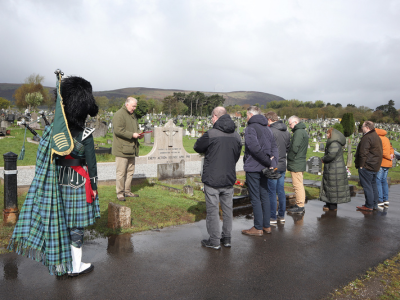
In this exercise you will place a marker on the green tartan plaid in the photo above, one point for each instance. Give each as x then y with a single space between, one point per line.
79 213
41 232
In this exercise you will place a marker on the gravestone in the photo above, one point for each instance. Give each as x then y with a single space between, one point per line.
118 216
394 162
171 170
101 129
5 124
34 117
314 165
35 125
321 147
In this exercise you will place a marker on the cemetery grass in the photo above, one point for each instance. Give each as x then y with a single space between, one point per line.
14 142
381 282
154 209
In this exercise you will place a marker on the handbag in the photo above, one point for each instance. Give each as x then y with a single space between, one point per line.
271 173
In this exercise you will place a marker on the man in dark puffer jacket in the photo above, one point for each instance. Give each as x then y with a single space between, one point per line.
221 146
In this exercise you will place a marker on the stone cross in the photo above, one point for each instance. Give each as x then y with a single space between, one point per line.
170 131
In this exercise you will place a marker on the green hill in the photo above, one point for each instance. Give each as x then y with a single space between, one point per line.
231 98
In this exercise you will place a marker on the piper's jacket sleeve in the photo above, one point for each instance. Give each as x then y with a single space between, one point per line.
90 157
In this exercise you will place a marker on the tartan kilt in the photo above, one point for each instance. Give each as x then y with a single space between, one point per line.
78 213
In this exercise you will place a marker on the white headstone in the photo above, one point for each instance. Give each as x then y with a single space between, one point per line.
168 147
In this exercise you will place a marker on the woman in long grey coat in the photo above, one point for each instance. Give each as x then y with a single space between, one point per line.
335 186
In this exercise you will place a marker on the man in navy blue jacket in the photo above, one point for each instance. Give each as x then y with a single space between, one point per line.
221 146
260 152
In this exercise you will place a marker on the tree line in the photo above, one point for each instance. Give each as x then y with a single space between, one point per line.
309 110
33 94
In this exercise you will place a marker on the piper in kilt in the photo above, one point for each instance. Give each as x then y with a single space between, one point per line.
62 199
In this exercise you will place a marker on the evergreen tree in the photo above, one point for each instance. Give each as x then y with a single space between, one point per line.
339 127
348 124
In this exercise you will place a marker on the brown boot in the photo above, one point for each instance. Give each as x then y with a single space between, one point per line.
267 230
253 231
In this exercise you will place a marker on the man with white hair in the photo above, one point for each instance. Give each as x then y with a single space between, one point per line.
125 147
296 162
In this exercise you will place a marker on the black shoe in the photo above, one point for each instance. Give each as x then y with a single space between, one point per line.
207 243
296 210
226 241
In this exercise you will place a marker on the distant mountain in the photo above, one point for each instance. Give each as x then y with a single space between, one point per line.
241 97
231 98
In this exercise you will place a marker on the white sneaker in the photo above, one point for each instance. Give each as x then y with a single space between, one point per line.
381 204
386 203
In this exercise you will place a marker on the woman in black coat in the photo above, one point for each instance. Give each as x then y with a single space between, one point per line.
335 186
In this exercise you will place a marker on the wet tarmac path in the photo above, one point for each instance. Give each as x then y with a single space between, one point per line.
305 258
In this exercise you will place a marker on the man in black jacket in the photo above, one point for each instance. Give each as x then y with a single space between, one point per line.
368 161
276 186
221 146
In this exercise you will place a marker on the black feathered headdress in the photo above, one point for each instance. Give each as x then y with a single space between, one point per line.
78 101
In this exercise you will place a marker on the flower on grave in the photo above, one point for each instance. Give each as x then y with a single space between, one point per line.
348 172
238 182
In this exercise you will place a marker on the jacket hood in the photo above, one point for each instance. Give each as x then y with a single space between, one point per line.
225 124
279 125
259 119
300 125
337 136
380 132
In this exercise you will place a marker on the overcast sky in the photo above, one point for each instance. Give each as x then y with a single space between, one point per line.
337 51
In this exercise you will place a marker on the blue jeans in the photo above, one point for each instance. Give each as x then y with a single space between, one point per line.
277 186
382 185
368 183
258 190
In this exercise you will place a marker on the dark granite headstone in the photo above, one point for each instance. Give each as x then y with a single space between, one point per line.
321 147
314 165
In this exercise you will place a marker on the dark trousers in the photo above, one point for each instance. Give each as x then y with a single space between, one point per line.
258 191
368 183
331 206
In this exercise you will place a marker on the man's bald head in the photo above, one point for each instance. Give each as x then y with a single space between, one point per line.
217 113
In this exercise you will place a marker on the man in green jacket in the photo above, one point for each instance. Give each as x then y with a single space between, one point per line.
125 147
296 162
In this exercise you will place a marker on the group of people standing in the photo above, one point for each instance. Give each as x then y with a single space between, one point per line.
63 197
268 146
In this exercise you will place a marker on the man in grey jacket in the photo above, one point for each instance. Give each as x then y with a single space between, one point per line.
221 146
282 138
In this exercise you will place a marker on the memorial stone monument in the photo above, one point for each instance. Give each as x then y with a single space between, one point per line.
314 165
